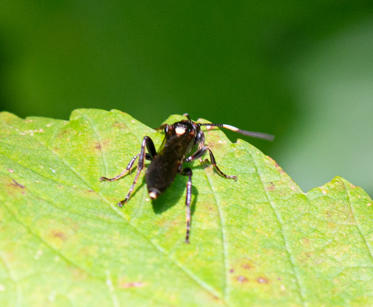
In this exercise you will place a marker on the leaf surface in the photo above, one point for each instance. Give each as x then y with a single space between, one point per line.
257 241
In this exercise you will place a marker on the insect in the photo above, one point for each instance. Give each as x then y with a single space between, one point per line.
184 142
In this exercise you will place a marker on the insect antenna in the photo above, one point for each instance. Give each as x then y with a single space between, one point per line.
258 135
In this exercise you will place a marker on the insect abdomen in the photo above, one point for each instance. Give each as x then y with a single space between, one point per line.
160 174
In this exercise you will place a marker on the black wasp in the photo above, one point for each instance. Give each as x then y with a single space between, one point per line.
184 142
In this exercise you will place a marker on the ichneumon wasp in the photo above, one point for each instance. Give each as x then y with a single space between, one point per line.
184 142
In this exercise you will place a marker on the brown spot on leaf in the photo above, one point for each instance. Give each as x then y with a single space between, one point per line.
63 133
271 186
120 125
59 234
135 284
242 279
101 145
247 266
306 241
216 298
262 280
79 274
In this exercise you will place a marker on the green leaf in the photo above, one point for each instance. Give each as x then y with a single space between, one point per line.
257 241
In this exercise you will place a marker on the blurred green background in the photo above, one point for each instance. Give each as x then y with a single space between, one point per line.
301 70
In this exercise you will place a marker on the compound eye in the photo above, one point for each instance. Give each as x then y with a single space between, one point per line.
166 129
199 135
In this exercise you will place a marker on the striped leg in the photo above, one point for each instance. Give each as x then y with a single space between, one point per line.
122 174
147 141
200 153
213 162
188 172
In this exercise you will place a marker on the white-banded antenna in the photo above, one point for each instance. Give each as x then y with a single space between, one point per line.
254 134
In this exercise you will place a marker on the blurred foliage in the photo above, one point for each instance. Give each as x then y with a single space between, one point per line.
235 63
335 83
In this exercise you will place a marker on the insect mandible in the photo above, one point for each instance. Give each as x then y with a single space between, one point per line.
184 142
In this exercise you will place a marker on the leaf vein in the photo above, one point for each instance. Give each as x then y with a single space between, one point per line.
223 238
111 289
99 140
284 239
353 214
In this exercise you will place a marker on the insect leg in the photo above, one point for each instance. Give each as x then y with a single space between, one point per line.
213 162
151 149
199 153
188 172
147 141
148 156
122 174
